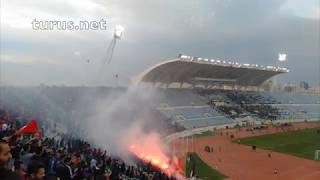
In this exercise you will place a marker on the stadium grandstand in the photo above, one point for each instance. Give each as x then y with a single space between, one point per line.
208 72
199 92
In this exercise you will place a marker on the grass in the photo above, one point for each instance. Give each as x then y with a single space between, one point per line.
204 134
302 143
202 170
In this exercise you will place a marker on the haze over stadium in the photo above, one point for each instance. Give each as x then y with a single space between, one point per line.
252 32
168 90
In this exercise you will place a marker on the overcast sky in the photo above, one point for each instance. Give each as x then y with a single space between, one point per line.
249 31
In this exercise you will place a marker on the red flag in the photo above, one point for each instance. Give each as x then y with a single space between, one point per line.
31 127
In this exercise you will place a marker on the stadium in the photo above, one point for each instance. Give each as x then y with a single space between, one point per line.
203 95
197 92
160 90
215 118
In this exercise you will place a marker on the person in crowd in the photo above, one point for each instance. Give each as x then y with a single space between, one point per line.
36 171
20 169
39 155
5 156
63 170
26 154
76 165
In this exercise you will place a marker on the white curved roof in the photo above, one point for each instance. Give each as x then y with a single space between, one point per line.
187 70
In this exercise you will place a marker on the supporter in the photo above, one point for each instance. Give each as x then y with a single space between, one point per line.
5 156
76 166
26 154
63 170
36 171
19 169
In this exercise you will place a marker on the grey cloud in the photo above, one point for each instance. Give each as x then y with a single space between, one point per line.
248 31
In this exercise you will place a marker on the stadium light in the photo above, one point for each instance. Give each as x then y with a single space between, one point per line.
184 57
282 57
118 31
231 63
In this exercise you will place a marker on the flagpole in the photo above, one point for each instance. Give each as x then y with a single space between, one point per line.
187 145
192 143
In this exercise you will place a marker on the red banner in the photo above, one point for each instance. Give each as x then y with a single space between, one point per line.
31 127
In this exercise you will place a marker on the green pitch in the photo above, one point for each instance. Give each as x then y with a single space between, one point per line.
205 133
302 143
202 170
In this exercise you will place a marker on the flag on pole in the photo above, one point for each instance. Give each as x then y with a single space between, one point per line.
31 127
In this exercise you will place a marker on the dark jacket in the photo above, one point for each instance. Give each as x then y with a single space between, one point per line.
6 174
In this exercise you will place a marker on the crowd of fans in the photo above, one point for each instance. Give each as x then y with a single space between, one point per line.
237 104
62 156
254 104
263 111
231 111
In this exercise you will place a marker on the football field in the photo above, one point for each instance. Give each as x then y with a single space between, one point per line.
301 143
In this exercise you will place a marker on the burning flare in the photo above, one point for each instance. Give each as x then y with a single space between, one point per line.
149 149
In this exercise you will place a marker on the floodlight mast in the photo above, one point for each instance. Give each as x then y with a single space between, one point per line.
118 32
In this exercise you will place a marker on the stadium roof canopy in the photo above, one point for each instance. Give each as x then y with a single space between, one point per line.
187 69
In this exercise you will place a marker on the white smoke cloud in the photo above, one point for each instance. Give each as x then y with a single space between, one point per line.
116 120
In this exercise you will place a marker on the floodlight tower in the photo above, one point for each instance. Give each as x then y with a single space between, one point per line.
282 58
118 32
116 36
